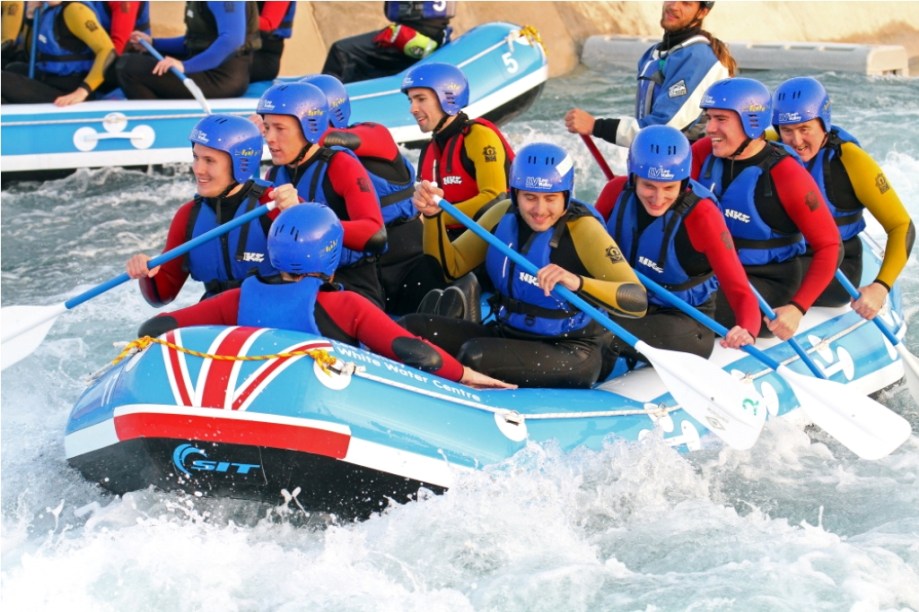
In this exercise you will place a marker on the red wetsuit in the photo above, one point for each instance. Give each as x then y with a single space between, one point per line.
161 289
341 315
802 201
124 21
711 246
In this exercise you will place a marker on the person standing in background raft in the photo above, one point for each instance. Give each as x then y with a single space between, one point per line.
215 53
771 204
275 24
71 56
226 150
670 229
417 28
851 181
672 76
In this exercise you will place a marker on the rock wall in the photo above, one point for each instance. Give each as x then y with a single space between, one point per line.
565 25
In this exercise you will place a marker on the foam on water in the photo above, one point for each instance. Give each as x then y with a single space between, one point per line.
795 523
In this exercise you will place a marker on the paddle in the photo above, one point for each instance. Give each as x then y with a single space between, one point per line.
187 82
792 342
910 362
28 325
33 50
729 408
601 161
862 425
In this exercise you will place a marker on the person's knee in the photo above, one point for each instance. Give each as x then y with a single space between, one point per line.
157 326
471 354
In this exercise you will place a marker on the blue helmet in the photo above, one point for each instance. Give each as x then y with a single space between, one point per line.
543 167
448 83
306 239
660 153
798 100
335 94
301 100
747 97
237 137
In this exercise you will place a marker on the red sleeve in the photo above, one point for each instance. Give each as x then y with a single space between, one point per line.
708 234
222 309
802 200
271 15
165 286
607 198
360 319
701 149
124 18
266 197
350 181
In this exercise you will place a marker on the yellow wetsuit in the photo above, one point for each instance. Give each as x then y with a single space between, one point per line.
12 16
585 249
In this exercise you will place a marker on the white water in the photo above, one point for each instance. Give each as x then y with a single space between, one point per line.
797 523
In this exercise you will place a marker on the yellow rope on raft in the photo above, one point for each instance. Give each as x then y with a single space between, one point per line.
532 35
322 357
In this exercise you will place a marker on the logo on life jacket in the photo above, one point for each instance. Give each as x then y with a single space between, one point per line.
650 264
256 257
452 180
736 214
528 278
677 90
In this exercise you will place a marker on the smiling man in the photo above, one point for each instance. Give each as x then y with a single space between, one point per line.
771 204
672 75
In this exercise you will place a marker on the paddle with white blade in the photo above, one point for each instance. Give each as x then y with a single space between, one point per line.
25 327
862 425
730 409
189 84
910 361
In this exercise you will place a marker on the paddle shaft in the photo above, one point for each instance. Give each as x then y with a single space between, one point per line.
601 161
156 261
792 342
189 84
33 49
853 291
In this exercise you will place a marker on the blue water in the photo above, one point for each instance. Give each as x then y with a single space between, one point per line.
797 523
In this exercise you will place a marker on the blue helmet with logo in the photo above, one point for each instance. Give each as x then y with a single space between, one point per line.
237 137
447 82
798 100
747 97
660 153
543 167
306 239
307 103
335 94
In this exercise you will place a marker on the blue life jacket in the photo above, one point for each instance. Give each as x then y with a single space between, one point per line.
415 11
104 15
522 304
847 212
282 305
308 187
395 198
223 263
58 51
653 250
756 241
286 28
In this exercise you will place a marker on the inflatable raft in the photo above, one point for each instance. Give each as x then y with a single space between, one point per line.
266 414
505 64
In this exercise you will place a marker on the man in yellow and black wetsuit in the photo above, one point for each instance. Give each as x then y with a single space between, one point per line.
71 56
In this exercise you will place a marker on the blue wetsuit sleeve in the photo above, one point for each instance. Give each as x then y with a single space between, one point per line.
174 46
687 74
231 35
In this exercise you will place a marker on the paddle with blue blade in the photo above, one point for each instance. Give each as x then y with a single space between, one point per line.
25 327
731 409
189 84
862 425
910 361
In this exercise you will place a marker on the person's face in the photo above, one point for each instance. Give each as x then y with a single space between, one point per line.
805 138
725 130
657 197
284 138
213 170
676 16
425 108
540 210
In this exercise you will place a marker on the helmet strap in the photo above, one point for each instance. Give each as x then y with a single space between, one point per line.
741 148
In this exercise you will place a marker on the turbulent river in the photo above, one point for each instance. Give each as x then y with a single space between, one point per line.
796 523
